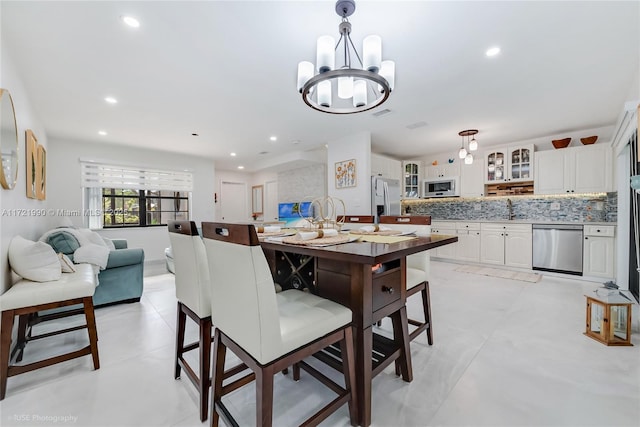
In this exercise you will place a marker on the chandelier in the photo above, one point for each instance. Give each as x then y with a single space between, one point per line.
358 88
472 144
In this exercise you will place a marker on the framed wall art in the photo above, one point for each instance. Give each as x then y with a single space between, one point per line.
32 162
346 173
41 174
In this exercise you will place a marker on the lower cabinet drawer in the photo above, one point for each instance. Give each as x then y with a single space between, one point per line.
386 289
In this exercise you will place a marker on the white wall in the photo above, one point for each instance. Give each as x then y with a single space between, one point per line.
30 227
357 199
65 193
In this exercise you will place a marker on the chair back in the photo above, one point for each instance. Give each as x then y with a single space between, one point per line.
357 219
191 267
245 307
422 226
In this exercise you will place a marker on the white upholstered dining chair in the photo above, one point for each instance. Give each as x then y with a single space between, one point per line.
268 331
194 300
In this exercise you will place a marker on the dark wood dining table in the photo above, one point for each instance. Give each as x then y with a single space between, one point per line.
343 273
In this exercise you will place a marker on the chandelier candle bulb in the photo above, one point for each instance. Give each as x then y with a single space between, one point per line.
388 71
305 72
324 93
359 93
345 87
325 54
372 53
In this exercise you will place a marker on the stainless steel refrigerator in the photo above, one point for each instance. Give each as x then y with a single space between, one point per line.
385 197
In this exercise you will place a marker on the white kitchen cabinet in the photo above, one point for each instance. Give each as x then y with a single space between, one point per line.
445 169
509 164
506 244
471 180
599 251
468 247
449 229
586 169
412 177
386 166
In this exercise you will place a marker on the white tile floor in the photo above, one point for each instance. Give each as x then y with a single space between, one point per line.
506 353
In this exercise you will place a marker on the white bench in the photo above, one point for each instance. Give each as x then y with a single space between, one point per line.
26 298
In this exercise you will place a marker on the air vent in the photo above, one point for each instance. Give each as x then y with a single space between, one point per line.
416 125
381 112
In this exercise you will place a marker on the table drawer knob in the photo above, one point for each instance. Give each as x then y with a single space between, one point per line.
387 289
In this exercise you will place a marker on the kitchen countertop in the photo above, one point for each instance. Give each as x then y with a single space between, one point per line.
524 221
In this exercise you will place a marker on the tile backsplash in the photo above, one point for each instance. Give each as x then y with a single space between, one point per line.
601 207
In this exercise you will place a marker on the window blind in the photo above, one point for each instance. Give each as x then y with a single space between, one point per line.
104 175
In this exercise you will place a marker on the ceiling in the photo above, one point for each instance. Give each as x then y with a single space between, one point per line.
226 70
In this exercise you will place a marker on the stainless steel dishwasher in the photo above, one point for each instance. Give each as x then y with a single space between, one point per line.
558 248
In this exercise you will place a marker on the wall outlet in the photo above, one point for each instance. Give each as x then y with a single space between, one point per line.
477 207
555 206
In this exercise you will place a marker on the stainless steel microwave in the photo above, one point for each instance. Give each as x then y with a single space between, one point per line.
447 186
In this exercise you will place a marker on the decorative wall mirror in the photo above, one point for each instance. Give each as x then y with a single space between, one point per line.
8 141
256 199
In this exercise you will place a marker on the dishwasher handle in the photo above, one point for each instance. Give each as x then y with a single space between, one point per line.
557 227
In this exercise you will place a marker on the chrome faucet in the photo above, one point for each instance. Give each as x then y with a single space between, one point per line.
510 209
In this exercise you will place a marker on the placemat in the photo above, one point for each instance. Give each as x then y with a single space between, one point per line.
333 240
376 233
385 239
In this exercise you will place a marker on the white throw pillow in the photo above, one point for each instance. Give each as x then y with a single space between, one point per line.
34 261
66 264
109 243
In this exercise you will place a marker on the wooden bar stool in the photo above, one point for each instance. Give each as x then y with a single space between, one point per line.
268 331
194 301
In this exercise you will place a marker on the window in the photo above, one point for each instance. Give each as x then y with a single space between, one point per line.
131 196
143 208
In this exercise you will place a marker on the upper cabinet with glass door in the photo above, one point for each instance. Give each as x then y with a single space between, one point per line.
411 179
509 164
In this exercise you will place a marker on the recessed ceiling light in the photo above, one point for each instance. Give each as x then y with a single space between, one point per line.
240 167
130 21
493 51
233 154
102 132
111 100
273 138
295 141
194 134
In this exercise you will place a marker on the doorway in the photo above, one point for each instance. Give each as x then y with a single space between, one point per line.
233 201
271 201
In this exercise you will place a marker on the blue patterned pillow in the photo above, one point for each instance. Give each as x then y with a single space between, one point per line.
64 242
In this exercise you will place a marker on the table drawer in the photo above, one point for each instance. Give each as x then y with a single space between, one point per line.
386 288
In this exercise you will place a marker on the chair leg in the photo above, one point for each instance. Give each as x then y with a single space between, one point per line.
296 372
205 366
5 348
264 396
401 337
90 317
180 326
348 367
426 305
219 353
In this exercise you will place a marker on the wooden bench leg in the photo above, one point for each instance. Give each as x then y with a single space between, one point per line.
91 328
5 349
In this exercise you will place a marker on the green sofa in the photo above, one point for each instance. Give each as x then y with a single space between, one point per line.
121 280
